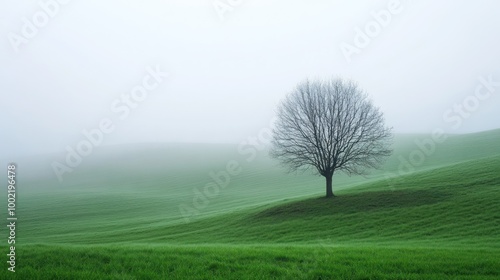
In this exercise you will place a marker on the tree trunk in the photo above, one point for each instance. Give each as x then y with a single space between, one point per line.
329 190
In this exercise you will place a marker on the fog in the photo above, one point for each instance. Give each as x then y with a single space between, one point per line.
427 66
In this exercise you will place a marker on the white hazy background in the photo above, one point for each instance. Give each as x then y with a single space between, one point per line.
227 75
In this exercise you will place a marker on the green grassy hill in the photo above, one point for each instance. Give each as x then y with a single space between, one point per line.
117 216
454 205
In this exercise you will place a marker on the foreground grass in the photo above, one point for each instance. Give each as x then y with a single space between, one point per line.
251 262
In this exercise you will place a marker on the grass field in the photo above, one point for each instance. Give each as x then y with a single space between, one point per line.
117 216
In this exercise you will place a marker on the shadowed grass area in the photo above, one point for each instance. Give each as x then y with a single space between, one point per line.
355 203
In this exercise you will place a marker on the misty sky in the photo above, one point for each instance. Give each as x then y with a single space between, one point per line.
228 69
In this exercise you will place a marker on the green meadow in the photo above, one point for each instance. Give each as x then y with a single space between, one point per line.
119 215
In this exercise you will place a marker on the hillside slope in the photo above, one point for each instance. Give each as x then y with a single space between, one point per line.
115 194
453 206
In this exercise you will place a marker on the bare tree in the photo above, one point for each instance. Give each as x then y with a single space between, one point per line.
330 126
